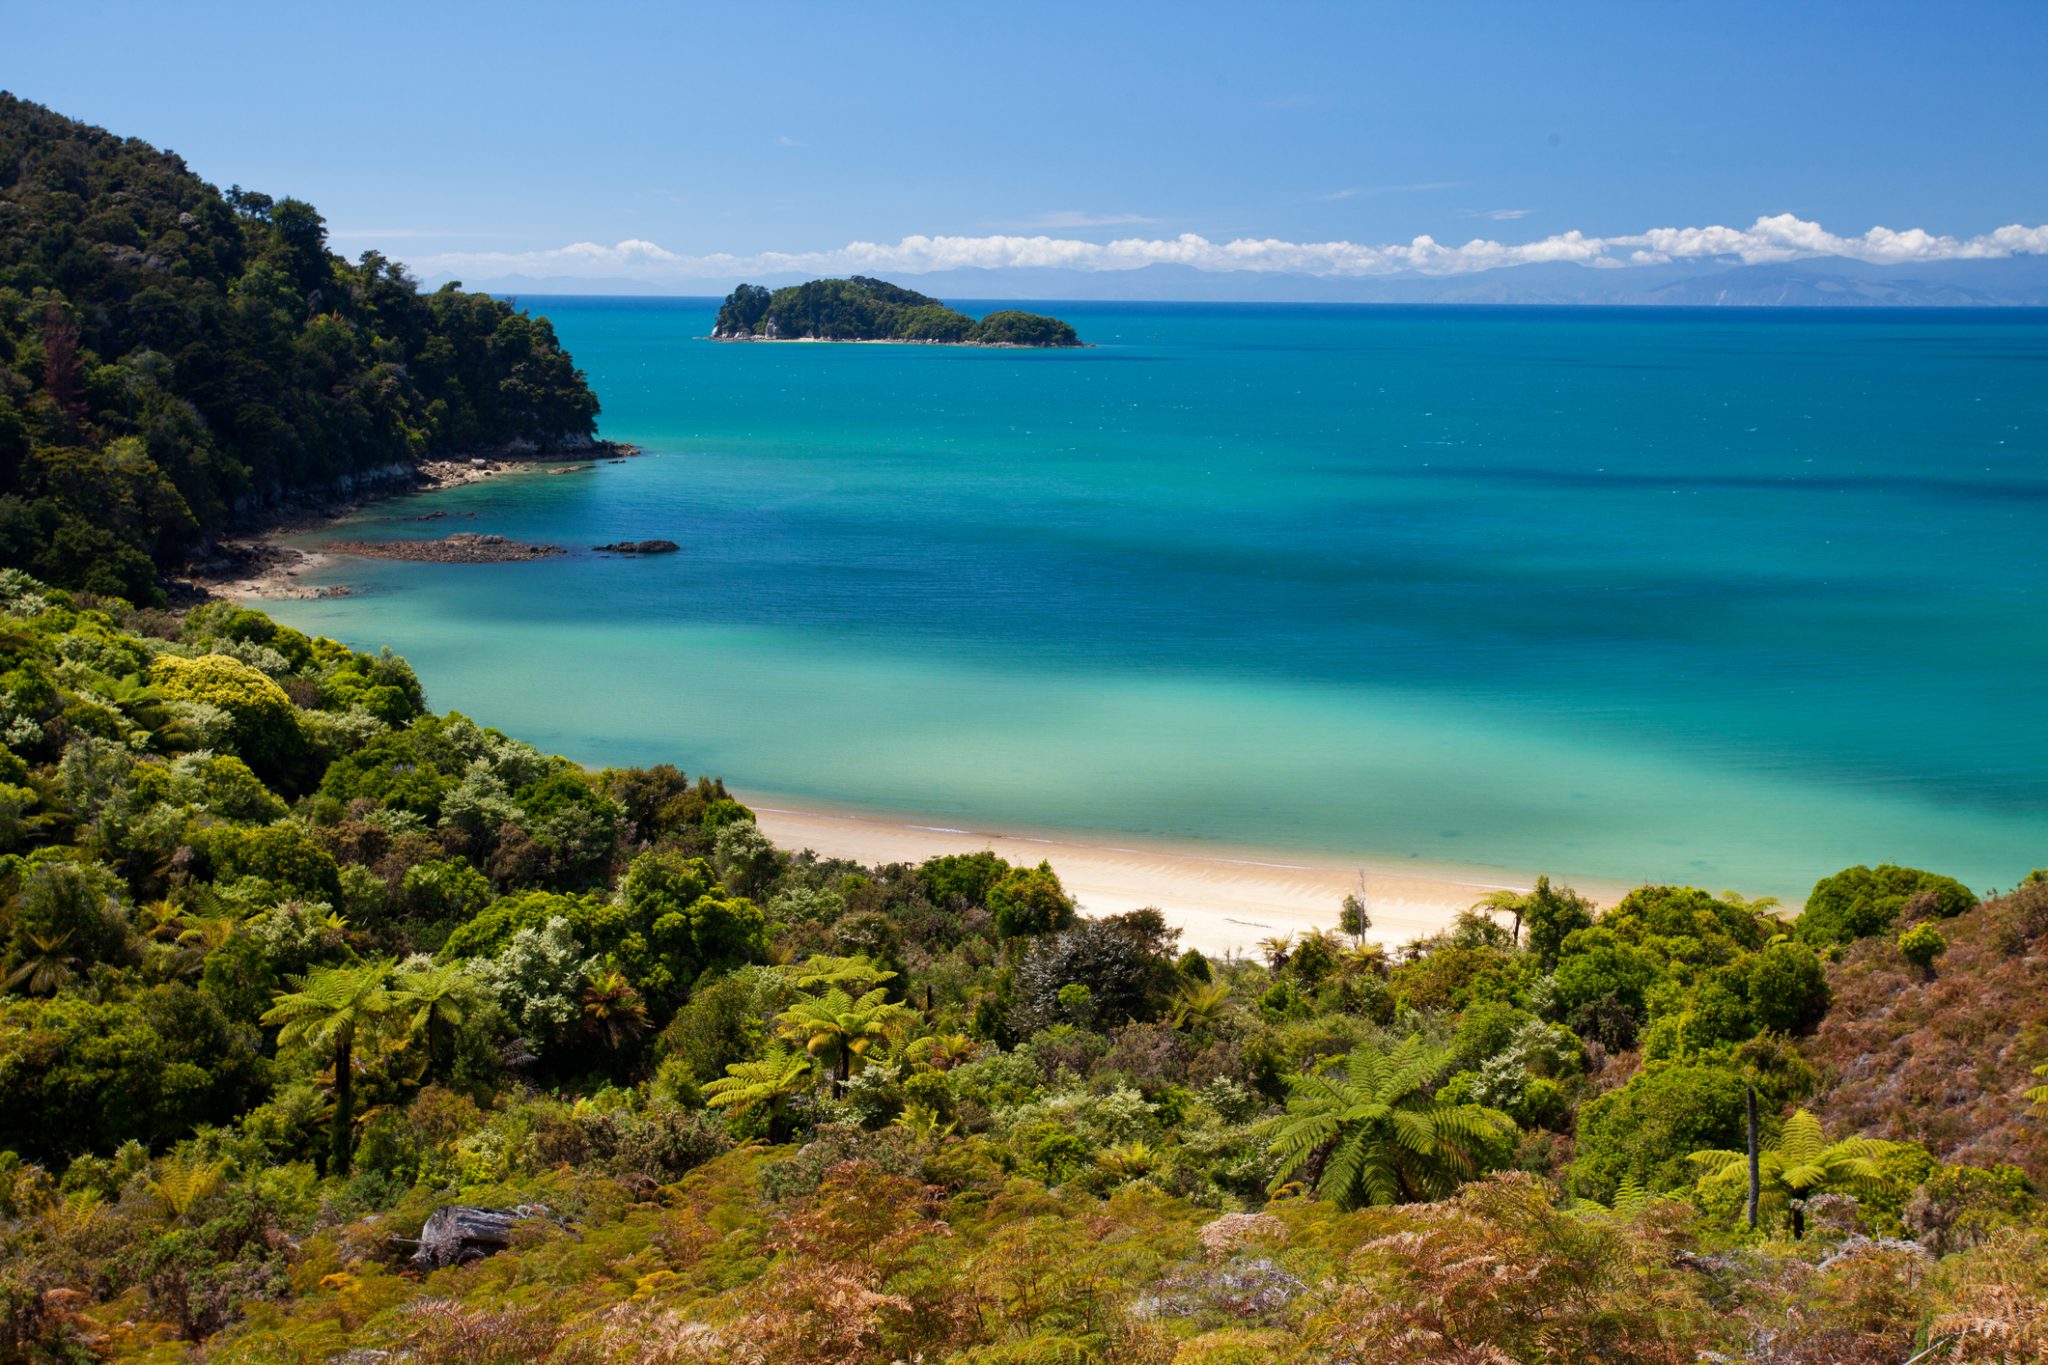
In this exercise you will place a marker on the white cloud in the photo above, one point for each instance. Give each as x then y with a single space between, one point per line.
1779 238
1497 215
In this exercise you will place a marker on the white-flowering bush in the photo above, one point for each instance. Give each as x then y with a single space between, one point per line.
95 651
1122 1115
260 657
395 821
292 933
341 732
224 786
745 860
20 595
480 803
506 759
92 771
17 728
538 979
207 726
806 905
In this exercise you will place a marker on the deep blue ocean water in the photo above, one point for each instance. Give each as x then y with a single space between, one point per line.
1729 597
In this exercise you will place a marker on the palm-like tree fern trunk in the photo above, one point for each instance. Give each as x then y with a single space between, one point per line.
1756 1184
342 1139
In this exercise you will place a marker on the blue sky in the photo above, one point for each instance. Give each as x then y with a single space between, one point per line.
508 132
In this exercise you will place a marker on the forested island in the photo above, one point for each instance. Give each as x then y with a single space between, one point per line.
175 360
864 309
335 1029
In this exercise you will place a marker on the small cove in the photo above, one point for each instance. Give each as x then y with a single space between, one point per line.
1711 596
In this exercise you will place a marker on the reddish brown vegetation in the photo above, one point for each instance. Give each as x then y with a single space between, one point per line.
1945 1062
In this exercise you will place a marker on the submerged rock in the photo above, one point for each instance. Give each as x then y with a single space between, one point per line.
638 547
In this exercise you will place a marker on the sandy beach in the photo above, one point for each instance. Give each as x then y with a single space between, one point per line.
1222 899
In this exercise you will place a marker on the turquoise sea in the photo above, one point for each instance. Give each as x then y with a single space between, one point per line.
1735 598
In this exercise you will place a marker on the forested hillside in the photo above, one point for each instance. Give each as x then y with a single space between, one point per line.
291 963
172 357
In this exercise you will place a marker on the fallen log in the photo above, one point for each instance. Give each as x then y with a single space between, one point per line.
457 1234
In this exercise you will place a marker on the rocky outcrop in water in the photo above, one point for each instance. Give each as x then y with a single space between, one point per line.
463 547
638 547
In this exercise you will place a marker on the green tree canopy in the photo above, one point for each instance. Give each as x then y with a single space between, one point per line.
1862 901
1028 902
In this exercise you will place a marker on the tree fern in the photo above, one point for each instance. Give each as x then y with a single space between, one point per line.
838 1029
436 999
44 965
1382 1136
1200 1006
180 1186
1800 1164
855 973
326 1010
766 1082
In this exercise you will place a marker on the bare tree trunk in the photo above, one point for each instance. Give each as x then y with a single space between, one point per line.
1755 1182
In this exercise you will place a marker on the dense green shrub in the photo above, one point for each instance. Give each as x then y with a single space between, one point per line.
284 857
1788 987
968 876
1922 944
1646 1130
1864 901
1028 902
264 729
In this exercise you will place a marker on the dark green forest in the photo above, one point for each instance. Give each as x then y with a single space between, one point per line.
174 359
864 309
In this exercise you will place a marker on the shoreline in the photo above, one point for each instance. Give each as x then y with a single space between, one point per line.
1223 898
257 566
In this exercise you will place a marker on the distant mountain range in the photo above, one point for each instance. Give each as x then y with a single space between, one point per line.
1831 282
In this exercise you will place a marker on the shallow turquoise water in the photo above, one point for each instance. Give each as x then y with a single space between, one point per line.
1736 598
